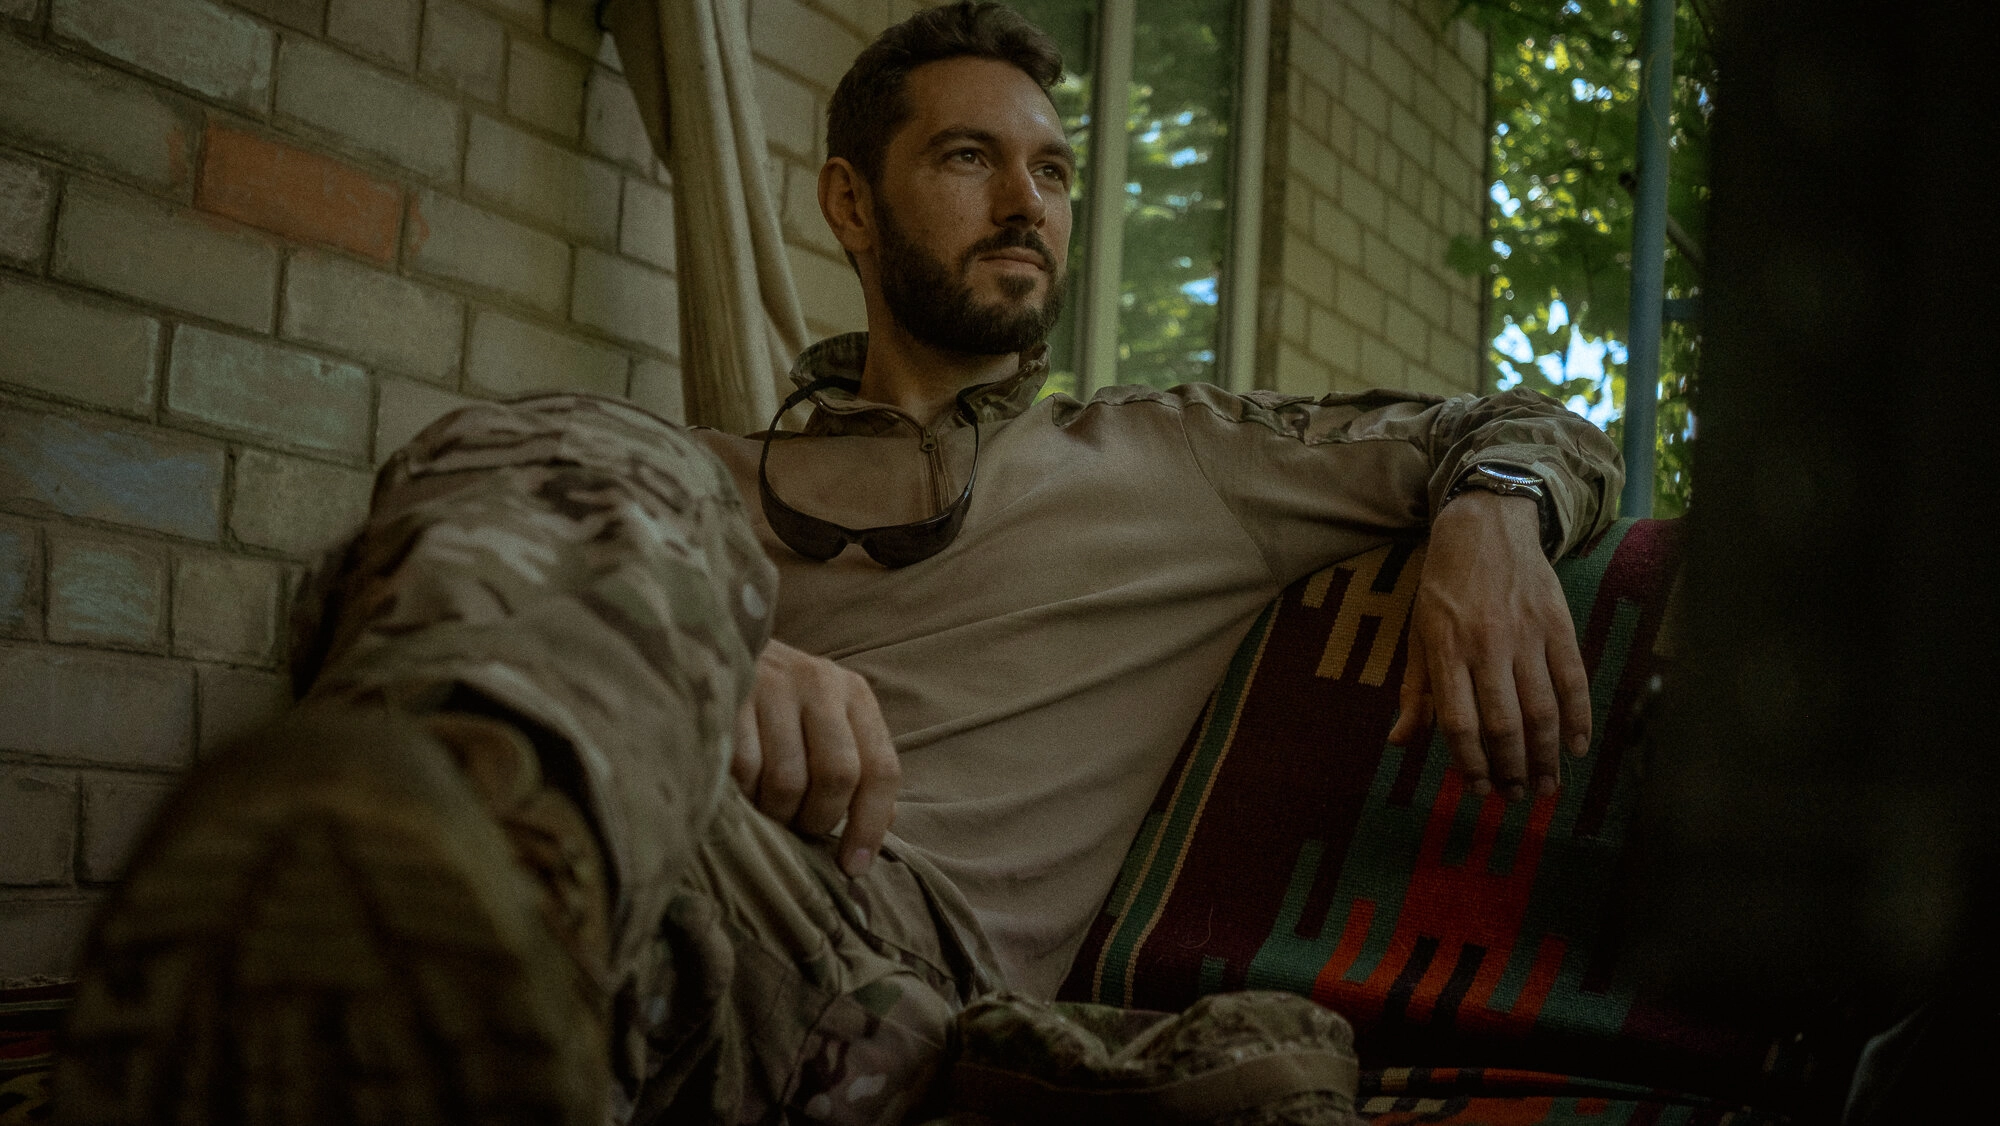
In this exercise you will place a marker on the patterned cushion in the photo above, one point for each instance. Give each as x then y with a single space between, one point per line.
1292 848
28 1020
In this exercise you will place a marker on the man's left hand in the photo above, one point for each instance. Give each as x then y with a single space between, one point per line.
1493 656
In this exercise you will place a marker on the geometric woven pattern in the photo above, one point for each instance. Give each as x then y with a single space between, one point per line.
1292 847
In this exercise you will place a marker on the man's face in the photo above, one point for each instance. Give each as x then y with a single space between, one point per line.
973 213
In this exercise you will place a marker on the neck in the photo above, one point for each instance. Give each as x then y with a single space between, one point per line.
920 380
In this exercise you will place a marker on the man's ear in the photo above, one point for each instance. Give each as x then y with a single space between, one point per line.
847 203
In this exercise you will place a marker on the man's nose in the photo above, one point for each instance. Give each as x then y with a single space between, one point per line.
1018 199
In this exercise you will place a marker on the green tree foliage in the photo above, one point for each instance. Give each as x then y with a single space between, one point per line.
1180 107
1565 133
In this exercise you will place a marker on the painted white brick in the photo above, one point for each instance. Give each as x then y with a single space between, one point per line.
225 607
20 578
829 290
76 704
1335 339
405 409
268 390
65 345
1381 364
626 300
39 938
1407 332
105 591
37 826
1359 299
143 478
116 810
119 241
377 318
573 23
303 15
787 111
545 86
450 239
612 125
193 43
867 16
385 30
26 198
377 112
464 48
647 230
235 702
293 505
656 385
527 13
802 41
521 172
803 222
92 114
513 357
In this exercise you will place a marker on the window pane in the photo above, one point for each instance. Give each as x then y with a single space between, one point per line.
1184 75
1073 25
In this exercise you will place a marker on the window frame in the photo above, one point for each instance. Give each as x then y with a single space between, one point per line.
1237 283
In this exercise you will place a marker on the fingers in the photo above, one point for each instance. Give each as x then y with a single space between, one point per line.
1458 720
1413 717
873 808
817 752
833 761
1572 688
1541 723
781 787
1500 728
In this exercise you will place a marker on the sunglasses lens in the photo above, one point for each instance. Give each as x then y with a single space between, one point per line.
813 539
900 547
913 543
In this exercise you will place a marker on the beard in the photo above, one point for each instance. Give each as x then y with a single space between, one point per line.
932 302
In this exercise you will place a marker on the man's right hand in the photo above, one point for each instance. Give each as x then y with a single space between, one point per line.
812 748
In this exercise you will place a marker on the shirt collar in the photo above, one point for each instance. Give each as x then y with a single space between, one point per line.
842 412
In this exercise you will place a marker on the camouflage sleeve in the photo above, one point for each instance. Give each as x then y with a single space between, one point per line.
1315 480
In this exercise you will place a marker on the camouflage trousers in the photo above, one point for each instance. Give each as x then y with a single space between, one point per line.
587 569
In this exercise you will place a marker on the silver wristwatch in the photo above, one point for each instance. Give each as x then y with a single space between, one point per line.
1513 481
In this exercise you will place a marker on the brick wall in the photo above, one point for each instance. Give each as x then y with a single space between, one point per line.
247 248
1377 161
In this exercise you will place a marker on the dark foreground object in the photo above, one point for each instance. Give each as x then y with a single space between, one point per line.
326 926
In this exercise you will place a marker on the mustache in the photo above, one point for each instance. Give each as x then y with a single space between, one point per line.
1012 238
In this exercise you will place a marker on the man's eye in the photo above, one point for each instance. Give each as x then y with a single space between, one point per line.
1056 172
965 156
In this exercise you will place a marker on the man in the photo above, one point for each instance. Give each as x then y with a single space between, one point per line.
547 652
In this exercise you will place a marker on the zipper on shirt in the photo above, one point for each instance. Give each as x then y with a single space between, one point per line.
937 474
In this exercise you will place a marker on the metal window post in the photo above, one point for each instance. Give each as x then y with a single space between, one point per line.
1246 202
1110 107
1649 255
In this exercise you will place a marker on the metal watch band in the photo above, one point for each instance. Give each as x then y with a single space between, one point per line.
1513 481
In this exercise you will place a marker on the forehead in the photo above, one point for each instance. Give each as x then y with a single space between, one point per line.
981 94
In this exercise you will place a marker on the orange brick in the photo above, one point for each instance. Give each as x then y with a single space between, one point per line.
300 194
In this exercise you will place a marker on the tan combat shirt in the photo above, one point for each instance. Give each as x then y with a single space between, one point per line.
1041 672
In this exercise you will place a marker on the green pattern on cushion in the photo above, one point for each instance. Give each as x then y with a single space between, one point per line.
1293 848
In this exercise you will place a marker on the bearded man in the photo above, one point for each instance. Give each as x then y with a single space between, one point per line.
587 810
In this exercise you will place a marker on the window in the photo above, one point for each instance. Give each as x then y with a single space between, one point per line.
1163 262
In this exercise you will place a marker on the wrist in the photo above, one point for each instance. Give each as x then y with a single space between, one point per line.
1498 480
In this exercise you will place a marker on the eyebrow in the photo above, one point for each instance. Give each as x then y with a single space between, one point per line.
956 133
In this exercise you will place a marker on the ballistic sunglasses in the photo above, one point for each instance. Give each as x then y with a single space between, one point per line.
891 545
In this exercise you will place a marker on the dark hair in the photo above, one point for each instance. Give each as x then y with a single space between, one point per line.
868 106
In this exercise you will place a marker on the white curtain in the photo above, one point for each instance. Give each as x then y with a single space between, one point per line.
689 65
